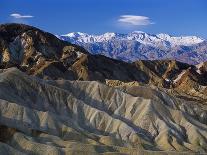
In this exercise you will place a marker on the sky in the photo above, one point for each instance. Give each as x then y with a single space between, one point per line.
174 17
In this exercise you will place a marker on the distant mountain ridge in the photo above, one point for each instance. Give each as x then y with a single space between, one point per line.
139 45
137 36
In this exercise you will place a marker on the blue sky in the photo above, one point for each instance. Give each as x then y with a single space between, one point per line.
175 17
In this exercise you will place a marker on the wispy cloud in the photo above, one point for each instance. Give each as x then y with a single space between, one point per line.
19 16
135 20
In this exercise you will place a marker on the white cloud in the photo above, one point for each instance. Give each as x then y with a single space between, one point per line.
135 20
19 16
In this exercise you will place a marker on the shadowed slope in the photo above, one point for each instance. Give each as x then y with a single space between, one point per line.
42 54
94 114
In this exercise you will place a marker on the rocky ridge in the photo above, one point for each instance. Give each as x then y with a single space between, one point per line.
139 45
57 98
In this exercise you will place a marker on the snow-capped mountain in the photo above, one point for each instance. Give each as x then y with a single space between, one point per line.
140 45
134 36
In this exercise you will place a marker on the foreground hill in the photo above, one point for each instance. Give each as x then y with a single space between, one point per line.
142 46
56 98
40 117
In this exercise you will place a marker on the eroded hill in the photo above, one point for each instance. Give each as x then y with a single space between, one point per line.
60 115
56 98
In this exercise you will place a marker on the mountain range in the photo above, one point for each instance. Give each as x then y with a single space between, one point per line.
139 45
58 98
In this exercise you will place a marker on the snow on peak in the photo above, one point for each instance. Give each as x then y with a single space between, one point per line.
106 37
163 36
142 37
109 34
182 40
75 34
140 45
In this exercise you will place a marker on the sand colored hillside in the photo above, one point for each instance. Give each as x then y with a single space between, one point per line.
67 117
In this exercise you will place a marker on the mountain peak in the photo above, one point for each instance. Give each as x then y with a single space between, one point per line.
75 34
163 35
138 45
182 40
110 34
107 36
139 36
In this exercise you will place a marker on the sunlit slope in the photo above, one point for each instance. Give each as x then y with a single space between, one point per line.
67 117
